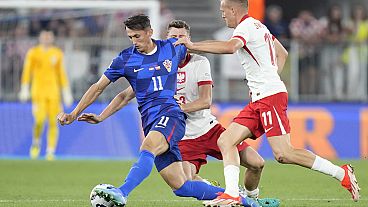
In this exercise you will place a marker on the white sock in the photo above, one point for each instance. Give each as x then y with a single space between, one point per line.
231 173
326 167
253 194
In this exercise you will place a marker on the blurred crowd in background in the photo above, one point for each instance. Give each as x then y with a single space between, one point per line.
332 49
328 53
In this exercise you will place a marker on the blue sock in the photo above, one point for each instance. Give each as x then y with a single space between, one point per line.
139 171
199 190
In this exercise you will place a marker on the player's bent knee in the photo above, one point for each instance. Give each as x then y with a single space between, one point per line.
224 143
189 176
220 143
259 164
256 164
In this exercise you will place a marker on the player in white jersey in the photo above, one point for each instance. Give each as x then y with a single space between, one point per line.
262 57
194 94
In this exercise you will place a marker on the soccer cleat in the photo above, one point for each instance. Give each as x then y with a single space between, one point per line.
249 202
225 200
350 182
269 202
264 202
34 152
112 194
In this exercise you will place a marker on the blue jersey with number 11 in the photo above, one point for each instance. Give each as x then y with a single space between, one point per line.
152 77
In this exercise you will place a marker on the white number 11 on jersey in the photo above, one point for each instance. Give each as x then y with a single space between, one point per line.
157 82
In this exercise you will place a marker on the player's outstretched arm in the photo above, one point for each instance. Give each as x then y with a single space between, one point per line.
120 100
88 98
212 46
281 55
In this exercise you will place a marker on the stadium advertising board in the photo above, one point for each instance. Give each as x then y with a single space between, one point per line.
334 131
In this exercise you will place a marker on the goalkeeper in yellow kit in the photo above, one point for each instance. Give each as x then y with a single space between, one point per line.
44 72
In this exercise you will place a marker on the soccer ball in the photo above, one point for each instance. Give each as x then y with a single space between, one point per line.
96 200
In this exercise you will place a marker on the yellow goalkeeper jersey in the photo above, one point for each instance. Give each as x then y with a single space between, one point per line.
44 70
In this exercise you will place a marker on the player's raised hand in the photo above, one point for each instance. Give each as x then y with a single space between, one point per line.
65 119
185 41
90 118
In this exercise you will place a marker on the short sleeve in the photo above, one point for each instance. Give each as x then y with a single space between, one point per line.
204 73
115 70
242 33
181 50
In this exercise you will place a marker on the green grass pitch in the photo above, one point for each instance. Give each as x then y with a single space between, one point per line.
68 183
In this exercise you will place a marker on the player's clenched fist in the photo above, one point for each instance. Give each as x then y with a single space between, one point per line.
64 118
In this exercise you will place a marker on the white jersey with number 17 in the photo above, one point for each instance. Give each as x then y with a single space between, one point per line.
258 58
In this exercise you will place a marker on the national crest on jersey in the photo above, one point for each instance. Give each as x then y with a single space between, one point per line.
152 77
181 77
168 65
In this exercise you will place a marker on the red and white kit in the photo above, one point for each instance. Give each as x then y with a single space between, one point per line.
267 111
202 128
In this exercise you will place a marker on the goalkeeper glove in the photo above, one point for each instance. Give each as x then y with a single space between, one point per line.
24 94
67 96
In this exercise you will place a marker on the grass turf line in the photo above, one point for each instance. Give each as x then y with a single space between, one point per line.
26 183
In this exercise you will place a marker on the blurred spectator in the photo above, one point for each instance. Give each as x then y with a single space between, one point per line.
21 31
95 25
14 50
8 22
44 71
166 16
355 55
274 22
62 31
306 30
334 36
35 27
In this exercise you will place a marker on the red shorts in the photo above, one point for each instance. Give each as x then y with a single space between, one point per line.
196 150
267 115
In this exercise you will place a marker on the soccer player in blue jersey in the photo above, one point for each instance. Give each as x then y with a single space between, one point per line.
151 67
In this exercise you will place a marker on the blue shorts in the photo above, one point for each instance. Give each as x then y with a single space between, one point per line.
173 128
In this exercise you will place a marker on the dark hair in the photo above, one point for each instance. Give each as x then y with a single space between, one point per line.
334 25
355 7
138 22
179 24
